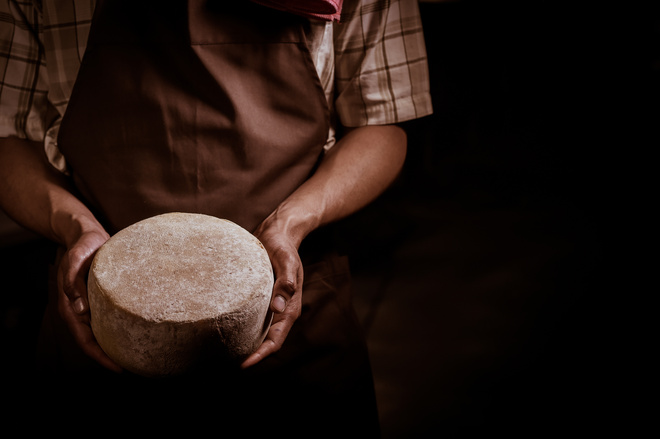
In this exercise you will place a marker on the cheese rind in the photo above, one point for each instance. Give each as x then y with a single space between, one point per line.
166 290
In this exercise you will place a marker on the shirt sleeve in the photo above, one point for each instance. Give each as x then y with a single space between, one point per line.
25 111
381 68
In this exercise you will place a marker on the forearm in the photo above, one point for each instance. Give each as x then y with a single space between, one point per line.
355 172
37 196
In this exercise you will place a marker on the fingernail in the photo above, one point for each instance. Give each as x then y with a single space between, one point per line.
79 305
279 303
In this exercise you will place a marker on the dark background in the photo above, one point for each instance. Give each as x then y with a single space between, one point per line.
494 279
519 225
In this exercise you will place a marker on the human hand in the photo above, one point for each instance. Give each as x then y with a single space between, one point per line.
286 301
72 301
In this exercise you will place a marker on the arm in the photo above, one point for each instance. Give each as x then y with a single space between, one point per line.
353 173
39 198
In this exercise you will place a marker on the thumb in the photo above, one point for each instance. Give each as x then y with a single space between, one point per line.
287 269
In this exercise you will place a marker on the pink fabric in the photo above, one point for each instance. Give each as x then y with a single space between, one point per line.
329 10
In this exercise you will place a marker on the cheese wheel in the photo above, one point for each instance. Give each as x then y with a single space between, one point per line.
168 290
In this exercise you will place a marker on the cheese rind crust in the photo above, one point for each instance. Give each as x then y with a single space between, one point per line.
167 290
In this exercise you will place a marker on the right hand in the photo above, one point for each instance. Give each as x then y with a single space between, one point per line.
73 305
286 300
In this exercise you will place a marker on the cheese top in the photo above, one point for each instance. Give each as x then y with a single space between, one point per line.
181 267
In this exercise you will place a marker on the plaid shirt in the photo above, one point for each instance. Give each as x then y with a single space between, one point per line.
372 64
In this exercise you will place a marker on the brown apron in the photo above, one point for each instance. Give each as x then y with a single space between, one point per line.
215 107
198 106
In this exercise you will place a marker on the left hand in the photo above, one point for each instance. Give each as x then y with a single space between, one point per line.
286 301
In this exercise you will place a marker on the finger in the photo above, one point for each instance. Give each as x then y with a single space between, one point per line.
284 290
94 351
87 342
69 290
73 272
81 331
274 340
265 349
278 304
288 280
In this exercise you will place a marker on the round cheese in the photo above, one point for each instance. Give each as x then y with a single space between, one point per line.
171 289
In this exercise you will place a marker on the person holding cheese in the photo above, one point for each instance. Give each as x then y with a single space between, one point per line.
279 118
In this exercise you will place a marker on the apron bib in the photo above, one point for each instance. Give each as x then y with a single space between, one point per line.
199 106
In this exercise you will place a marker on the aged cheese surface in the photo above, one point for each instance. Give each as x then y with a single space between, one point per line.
169 289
